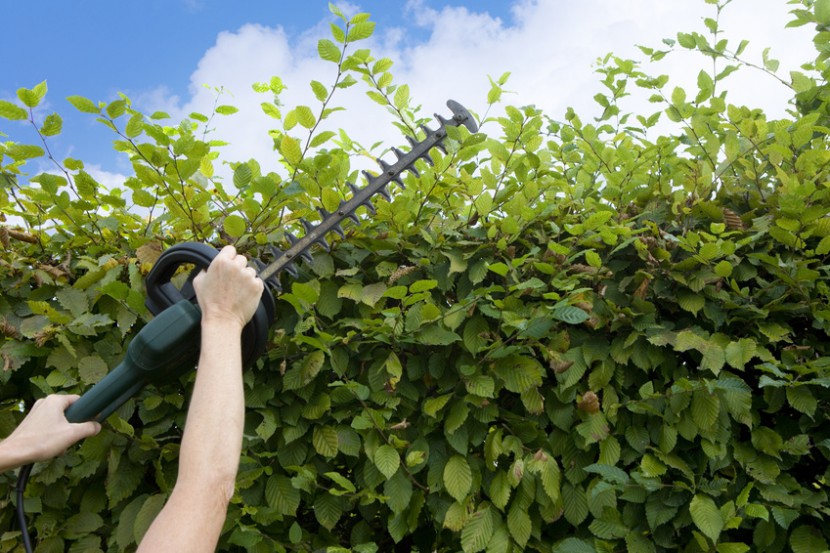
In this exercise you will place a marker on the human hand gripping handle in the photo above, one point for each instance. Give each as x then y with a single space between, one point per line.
44 433
229 291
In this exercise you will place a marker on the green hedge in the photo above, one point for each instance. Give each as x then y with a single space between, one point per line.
562 337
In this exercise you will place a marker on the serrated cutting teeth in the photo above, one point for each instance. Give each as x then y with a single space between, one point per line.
306 225
387 168
341 211
382 190
361 197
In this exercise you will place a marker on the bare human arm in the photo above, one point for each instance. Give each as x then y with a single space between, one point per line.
44 433
228 294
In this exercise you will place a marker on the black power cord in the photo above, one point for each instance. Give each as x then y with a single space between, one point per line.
22 479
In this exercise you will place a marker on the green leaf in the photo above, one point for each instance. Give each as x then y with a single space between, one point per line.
739 353
498 268
706 516
458 478
519 523
226 110
500 490
325 440
242 175
401 99
387 460
575 503
361 31
434 335
519 373
305 116
235 225
52 125
705 409
807 539
328 509
282 495
328 50
477 531
290 149
12 111
570 314
84 105
32 98
434 404
573 545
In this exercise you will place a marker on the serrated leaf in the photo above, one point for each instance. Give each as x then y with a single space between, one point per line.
387 460
570 314
401 98
234 225
290 149
327 509
361 30
500 490
434 335
242 175
706 516
739 353
398 489
705 409
226 110
282 495
458 478
519 373
321 138
52 125
575 503
84 105
573 545
325 441
519 523
328 50
305 116
477 531
11 111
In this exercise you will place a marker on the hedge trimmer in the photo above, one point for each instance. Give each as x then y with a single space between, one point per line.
169 344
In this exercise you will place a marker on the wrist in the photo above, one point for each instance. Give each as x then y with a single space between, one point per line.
222 323
15 453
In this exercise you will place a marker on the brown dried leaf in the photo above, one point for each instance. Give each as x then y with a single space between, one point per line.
149 252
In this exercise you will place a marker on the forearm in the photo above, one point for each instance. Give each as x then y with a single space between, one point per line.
193 517
212 440
12 455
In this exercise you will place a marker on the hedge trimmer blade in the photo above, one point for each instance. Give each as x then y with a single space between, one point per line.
315 234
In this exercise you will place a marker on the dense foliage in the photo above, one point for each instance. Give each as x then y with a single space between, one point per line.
562 337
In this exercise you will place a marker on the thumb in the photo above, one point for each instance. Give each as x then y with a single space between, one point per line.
87 429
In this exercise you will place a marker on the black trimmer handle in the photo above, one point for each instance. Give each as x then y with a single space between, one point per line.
162 293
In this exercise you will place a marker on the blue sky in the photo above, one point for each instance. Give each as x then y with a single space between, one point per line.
160 52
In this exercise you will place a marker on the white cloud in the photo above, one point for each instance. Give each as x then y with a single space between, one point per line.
550 47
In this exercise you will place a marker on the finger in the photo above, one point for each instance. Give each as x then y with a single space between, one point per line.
228 251
69 399
87 429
